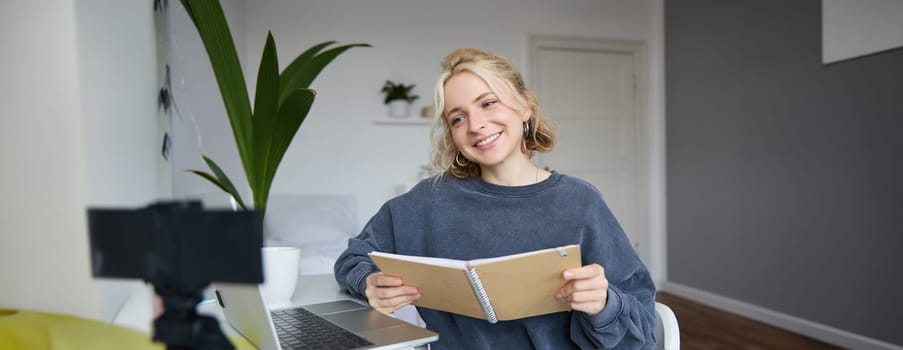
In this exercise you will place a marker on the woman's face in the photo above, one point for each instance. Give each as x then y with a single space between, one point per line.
486 131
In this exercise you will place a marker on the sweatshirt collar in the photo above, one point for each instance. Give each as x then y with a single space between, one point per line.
480 185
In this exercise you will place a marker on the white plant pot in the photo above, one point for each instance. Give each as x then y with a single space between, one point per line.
280 275
399 109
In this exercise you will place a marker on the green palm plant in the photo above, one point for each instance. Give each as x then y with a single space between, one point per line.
281 102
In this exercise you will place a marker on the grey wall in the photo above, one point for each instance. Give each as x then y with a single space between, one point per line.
784 175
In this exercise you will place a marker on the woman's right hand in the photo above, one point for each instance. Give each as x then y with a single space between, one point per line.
387 293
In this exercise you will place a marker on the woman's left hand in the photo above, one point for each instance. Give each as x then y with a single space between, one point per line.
586 290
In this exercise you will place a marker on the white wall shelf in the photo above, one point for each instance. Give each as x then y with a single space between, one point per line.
402 121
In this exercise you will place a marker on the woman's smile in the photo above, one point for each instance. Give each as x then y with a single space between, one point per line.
487 142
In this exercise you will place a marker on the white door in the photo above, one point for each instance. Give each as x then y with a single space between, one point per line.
590 95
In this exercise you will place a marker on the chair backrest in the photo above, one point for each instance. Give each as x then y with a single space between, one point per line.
667 333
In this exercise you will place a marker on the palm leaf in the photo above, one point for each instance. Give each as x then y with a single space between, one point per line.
211 23
295 66
288 121
220 180
265 108
302 76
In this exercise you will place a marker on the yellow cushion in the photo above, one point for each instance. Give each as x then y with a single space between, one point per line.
39 331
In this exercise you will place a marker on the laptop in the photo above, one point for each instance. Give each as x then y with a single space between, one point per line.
344 324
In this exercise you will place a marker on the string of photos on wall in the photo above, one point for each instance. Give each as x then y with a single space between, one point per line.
165 102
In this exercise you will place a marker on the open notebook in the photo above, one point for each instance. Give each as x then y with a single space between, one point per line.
502 288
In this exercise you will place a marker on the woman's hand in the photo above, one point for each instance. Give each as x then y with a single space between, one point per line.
586 290
387 293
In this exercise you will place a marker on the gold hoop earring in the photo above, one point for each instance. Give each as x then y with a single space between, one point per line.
460 163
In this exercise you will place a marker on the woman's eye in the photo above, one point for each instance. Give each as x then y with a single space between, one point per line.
489 103
456 119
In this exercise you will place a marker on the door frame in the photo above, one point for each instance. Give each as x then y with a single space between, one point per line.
650 197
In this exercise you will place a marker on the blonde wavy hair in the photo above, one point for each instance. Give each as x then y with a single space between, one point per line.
505 82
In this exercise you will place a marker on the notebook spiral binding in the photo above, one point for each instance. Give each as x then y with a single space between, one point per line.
481 295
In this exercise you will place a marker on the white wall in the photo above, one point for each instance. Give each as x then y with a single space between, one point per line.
339 149
79 99
43 245
118 85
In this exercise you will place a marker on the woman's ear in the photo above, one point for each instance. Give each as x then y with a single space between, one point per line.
528 100
527 114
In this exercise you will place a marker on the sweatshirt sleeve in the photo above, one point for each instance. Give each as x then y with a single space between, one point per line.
354 265
628 318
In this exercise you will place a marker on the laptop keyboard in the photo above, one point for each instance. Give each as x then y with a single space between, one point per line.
301 329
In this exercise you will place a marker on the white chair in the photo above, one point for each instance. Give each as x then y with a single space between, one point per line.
667 333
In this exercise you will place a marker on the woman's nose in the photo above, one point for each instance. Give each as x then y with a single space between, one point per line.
477 121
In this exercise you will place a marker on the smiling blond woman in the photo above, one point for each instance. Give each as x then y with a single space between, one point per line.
486 199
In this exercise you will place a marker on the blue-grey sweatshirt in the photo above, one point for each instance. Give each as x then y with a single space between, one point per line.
469 219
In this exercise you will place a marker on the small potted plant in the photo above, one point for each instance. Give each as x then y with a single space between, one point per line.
398 98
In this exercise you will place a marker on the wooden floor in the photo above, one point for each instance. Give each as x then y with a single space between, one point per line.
706 328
